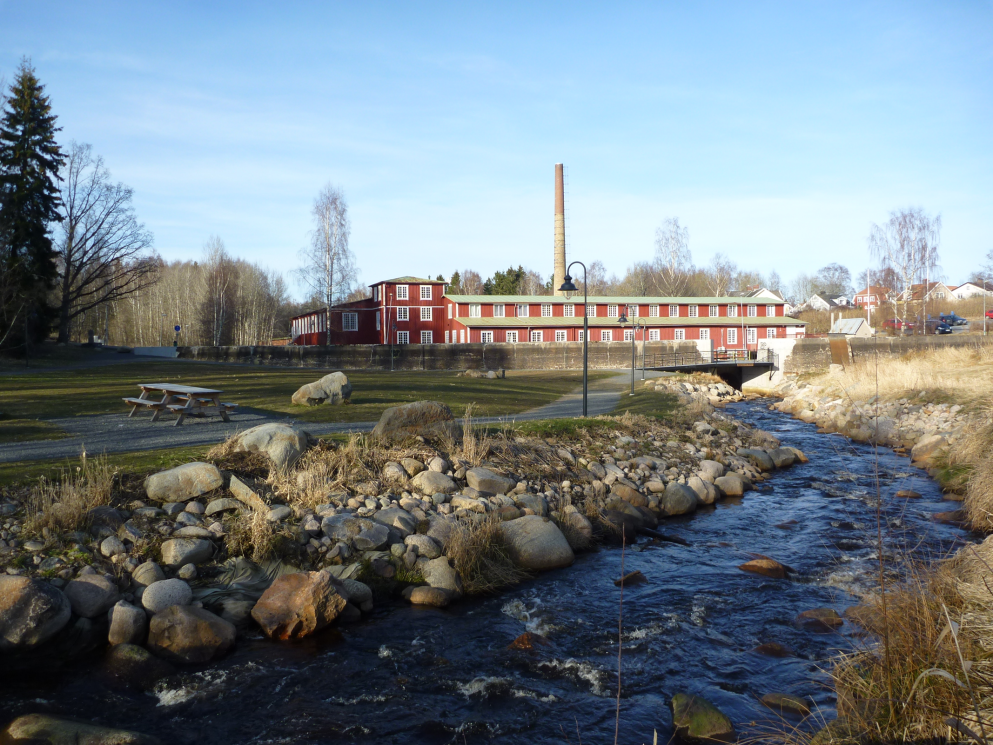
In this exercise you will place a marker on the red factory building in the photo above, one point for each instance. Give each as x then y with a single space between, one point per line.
411 310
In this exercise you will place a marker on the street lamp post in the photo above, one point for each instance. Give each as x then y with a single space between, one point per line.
634 335
644 338
569 290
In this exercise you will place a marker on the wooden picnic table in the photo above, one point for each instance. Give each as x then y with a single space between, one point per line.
193 398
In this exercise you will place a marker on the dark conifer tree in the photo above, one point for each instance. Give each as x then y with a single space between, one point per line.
30 160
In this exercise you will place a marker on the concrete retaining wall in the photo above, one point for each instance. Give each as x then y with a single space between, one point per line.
547 356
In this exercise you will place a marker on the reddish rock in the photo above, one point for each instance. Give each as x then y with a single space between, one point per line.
908 494
185 634
774 649
819 620
631 578
954 517
766 567
527 642
299 604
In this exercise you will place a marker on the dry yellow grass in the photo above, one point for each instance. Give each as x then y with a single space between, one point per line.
959 374
479 554
63 504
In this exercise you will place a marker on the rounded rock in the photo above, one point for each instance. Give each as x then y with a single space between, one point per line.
161 595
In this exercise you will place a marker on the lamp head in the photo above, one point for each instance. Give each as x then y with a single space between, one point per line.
623 318
568 288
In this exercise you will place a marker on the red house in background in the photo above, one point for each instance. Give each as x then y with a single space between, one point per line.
413 310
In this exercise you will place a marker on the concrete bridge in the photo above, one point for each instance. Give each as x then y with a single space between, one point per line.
734 366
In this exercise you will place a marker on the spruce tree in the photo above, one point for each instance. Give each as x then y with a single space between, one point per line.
30 160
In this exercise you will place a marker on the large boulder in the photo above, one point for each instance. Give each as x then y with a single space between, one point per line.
282 443
783 457
43 729
160 595
629 495
695 719
432 482
189 635
439 573
298 604
333 388
184 482
705 491
732 484
427 419
179 551
128 624
710 470
536 543
91 595
31 612
344 527
678 499
483 479
927 449
136 666
759 458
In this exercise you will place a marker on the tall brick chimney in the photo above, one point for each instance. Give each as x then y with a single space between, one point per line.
559 271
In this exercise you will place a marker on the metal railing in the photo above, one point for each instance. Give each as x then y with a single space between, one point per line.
717 356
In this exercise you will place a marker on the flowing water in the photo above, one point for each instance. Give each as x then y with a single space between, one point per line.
420 675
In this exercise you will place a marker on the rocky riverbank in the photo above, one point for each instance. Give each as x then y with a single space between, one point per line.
161 573
925 428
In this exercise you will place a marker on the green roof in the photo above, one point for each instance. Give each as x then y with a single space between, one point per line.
411 281
609 300
600 321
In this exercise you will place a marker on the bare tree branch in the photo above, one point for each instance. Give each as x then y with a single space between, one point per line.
673 262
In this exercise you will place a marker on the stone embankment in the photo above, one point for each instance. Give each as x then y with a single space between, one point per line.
153 577
915 424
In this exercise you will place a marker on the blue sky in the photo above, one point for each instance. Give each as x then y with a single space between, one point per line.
776 132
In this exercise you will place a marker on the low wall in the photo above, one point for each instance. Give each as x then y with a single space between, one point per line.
170 352
603 355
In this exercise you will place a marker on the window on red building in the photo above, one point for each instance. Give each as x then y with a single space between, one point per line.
401 292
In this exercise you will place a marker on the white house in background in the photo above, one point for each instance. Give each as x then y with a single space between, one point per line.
971 289
850 327
816 302
759 292
840 300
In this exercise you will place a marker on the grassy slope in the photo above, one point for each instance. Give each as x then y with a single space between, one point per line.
48 394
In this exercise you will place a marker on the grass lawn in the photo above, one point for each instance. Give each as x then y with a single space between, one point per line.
647 402
98 390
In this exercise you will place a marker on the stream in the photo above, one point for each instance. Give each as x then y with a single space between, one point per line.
423 675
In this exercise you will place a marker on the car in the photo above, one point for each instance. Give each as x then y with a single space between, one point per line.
989 314
936 326
897 324
952 319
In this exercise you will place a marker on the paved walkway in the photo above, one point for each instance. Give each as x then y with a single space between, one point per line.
116 433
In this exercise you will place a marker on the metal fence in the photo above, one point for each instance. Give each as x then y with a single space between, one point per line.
716 357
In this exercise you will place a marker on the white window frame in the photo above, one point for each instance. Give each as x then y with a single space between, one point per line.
512 337
426 292
375 294
498 310
612 311
733 337
770 333
546 310
486 337
448 337
450 310
522 307
753 311
537 337
732 310
427 337
569 310
403 313
426 314
632 311
751 336
403 337
693 311
461 336
475 310
590 311
580 335
770 311
378 321
606 335
402 293
715 311
704 334
628 334
679 334
653 311
673 311
349 321
560 336
654 334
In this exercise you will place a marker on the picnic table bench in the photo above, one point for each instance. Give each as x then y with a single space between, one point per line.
179 399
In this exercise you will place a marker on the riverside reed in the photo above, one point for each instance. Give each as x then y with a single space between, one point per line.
926 672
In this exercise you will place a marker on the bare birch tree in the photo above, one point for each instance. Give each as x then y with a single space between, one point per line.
673 262
217 277
720 275
533 284
597 281
102 248
329 267
907 243
470 282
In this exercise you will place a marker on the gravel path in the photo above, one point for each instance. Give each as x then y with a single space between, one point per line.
116 433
